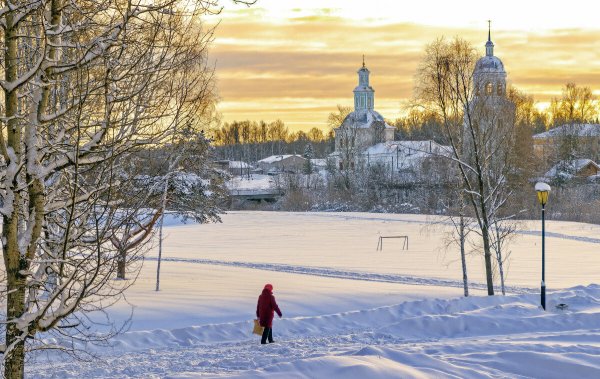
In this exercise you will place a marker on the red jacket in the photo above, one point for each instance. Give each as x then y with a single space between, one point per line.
266 308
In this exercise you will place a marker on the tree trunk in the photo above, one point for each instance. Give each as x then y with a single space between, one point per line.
14 358
160 240
121 263
499 258
485 233
463 255
160 231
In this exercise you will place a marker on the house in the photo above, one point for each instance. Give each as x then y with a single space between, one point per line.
569 139
577 168
410 160
276 164
233 167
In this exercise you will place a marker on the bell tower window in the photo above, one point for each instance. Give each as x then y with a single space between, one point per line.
489 88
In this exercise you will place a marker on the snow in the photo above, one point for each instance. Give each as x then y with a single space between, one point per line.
319 162
405 155
581 130
251 182
542 187
277 158
568 169
409 148
364 118
351 311
238 164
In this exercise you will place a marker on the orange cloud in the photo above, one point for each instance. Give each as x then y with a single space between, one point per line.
311 62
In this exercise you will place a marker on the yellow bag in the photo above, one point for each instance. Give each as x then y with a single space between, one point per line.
257 328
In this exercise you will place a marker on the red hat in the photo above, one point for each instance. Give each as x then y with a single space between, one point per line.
269 287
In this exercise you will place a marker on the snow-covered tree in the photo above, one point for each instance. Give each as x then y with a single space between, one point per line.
85 84
308 155
478 121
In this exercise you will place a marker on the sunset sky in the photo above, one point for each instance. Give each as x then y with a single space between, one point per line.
297 59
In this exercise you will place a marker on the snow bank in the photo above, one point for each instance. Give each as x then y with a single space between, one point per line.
349 309
476 337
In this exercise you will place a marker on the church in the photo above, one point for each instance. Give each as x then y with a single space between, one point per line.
365 136
364 126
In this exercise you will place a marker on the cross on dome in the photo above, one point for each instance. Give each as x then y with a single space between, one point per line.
489 46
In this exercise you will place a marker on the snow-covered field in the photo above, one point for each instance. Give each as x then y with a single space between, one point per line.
351 311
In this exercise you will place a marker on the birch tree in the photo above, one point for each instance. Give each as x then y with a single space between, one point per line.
84 85
446 86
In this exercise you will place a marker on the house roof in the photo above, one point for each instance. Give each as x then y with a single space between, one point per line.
423 148
238 164
409 154
579 130
277 158
568 169
364 118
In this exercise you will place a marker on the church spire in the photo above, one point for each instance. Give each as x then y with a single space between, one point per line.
489 46
364 97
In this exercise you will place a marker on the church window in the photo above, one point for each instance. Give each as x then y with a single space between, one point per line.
500 90
489 89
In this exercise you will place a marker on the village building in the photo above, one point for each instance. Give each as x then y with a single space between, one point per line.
579 139
365 138
364 126
411 160
234 167
277 164
573 169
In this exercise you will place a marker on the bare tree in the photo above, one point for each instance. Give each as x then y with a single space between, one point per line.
446 84
85 84
335 119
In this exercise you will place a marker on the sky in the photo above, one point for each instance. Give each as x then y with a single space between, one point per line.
295 60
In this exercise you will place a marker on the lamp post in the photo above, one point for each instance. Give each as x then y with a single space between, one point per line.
543 190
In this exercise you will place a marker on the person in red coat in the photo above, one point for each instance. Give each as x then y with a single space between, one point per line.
265 311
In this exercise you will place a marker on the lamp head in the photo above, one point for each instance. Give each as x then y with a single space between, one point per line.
543 190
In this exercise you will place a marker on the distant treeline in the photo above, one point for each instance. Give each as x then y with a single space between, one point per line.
252 141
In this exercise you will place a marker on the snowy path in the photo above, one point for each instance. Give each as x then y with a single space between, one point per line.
342 274
481 337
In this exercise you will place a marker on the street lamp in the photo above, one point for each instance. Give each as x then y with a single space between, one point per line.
543 190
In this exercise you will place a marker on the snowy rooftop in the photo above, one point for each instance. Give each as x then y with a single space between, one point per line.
254 182
568 169
277 158
409 148
581 130
319 162
364 118
405 155
238 164
489 64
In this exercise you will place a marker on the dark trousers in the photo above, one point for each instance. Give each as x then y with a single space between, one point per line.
267 334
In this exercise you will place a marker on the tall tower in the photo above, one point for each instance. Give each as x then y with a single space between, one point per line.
489 76
364 95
